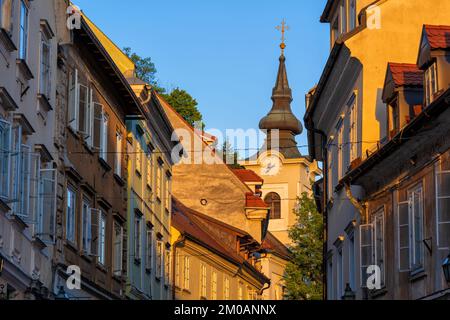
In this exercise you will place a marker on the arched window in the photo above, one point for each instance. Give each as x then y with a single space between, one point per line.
274 201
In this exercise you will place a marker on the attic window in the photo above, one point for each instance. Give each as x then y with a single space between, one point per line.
431 84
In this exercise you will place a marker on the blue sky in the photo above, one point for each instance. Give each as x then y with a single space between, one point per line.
223 52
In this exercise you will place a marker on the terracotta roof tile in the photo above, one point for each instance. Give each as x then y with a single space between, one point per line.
254 201
406 74
247 175
438 36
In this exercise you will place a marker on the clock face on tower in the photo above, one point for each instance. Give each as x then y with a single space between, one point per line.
270 166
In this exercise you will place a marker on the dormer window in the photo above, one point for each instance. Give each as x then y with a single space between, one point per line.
431 84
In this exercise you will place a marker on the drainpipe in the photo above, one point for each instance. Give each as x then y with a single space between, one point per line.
358 204
176 244
310 126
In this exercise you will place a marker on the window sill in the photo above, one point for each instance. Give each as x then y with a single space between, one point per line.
72 246
7 41
118 278
119 180
137 261
148 270
24 69
138 173
104 164
87 148
378 293
44 101
37 241
19 222
101 268
86 257
417 275
187 291
158 279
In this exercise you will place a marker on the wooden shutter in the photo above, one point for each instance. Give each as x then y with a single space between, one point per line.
366 250
97 110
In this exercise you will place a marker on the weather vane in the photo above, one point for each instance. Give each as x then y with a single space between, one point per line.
283 28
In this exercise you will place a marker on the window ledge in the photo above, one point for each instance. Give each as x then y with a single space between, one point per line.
19 222
187 291
7 41
158 279
8 102
117 278
119 180
44 101
137 261
417 275
378 293
37 241
101 268
104 164
148 270
24 69
86 257
72 246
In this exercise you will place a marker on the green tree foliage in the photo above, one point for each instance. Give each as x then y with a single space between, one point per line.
184 104
229 155
304 272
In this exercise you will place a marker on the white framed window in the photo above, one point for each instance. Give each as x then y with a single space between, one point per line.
403 234
340 149
86 226
84 110
431 83
415 198
167 265
73 103
71 214
158 186
5 160
118 249
102 238
366 251
167 193
118 159
6 11
187 272
45 67
46 224
214 285
138 158
379 236
443 208
203 283
103 134
137 237
149 170
330 175
226 288
159 259
23 31
177 270
353 127
149 251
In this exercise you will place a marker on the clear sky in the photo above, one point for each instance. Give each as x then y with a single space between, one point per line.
223 52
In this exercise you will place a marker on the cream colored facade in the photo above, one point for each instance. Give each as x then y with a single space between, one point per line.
292 178
346 112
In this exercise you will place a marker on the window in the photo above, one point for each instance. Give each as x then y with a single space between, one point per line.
137 237
118 162
274 201
159 180
187 272
149 170
177 270
353 127
352 261
102 239
240 292
44 79
403 236
104 137
167 267
73 111
5 148
394 117
159 259
340 274
203 281
118 249
343 16
138 159
70 215
167 193
379 242
334 30
431 84
226 289
86 226
340 150
443 208
416 229
6 15
23 35
366 251
46 222
149 251
214 286
352 14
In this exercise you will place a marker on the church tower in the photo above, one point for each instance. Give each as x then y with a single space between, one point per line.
286 173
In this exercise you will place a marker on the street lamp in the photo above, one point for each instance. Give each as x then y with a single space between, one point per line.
348 293
446 268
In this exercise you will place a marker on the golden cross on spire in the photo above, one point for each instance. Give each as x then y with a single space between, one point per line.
283 28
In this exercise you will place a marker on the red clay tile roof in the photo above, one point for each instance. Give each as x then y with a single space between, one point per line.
272 244
405 74
438 36
247 175
254 201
